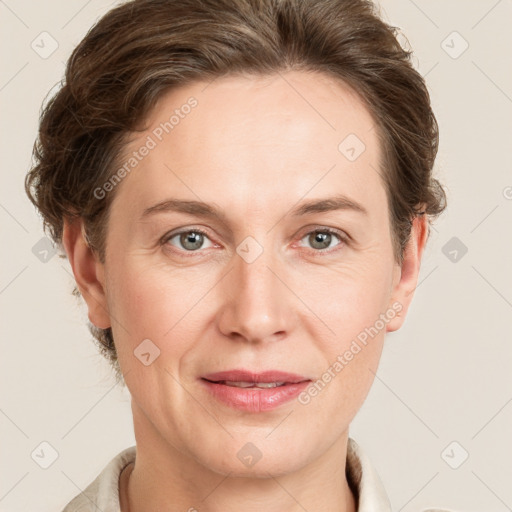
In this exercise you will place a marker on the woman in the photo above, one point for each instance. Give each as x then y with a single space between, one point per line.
243 190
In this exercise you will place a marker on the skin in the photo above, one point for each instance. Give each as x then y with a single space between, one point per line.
255 148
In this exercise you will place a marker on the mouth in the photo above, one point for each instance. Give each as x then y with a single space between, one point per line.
241 384
254 392
247 379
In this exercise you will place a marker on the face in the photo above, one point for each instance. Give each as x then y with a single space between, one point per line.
286 269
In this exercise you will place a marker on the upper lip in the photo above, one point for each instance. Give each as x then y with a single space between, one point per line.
250 376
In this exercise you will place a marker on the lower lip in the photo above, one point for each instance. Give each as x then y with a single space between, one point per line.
255 399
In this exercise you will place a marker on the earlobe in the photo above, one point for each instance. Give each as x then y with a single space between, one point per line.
407 281
88 272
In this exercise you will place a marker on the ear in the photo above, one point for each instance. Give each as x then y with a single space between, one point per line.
88 271
406 275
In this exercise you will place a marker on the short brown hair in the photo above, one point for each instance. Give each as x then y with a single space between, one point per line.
143 48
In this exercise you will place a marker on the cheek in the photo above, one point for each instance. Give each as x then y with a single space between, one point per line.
354 309
137 300
156 302
347 299
343 383
151 300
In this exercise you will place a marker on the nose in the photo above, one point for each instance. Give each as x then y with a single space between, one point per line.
257 304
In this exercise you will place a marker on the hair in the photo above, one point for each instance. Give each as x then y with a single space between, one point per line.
141 49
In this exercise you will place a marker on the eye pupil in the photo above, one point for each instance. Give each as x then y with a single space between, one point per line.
322 238
194 238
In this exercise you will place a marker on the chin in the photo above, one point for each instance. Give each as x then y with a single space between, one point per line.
248 459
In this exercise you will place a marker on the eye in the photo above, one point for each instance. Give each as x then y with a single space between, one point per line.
190 240
324 238
193 240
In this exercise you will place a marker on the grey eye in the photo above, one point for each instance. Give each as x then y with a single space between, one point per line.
321 240
191 240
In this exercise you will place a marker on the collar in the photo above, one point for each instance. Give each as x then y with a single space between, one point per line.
364 481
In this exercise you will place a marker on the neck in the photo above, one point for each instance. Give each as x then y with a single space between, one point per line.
167 479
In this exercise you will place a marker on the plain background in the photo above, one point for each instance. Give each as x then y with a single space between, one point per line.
444 377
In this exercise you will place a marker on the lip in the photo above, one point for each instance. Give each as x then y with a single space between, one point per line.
249 376
252 399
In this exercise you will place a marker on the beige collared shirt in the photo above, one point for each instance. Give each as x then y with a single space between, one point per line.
102 494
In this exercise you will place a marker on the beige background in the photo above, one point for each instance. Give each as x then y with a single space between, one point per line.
444 377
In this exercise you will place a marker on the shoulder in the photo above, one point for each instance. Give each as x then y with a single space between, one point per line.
366 484
103 492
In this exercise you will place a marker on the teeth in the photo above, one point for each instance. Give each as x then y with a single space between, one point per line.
252 384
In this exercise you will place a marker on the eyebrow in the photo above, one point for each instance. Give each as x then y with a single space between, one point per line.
200 209
339 202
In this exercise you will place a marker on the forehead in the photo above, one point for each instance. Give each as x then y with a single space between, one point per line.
256 138
297 105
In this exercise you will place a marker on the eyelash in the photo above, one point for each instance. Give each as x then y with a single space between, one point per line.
343 238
